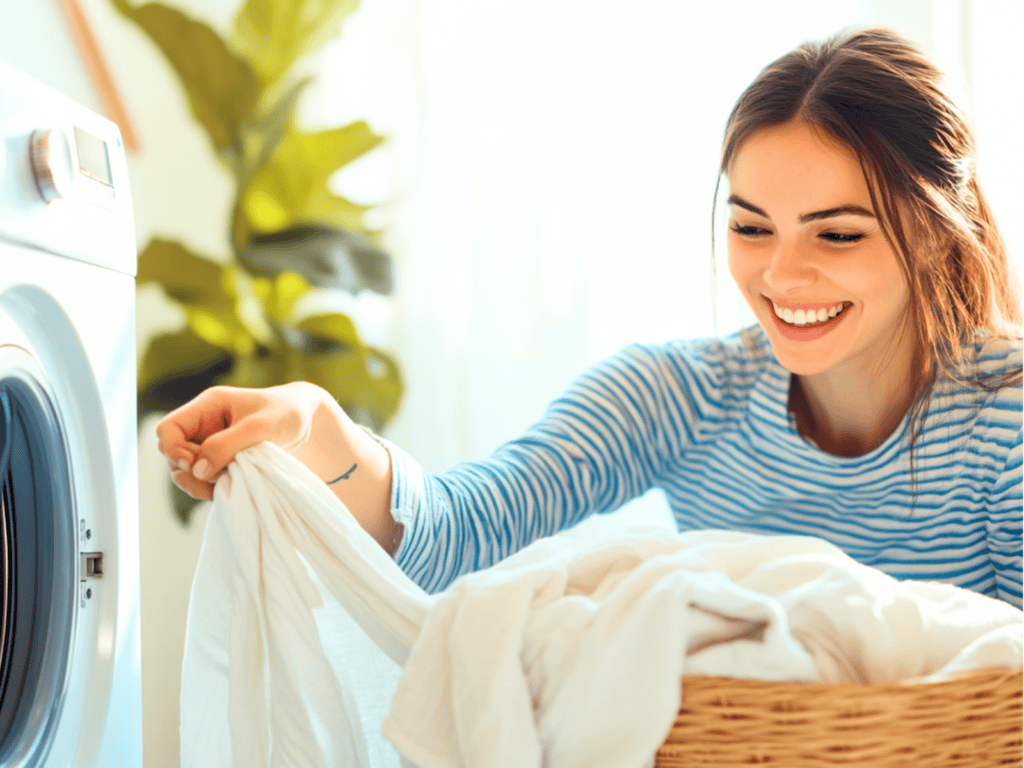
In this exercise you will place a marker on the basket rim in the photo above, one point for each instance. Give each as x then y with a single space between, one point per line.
984 673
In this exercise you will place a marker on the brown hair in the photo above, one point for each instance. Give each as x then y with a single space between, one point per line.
880 96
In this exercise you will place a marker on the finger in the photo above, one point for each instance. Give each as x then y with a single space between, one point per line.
219 449
207 413
194 487
180 456
179 464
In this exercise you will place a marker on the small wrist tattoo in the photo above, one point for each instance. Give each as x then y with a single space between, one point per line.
343 477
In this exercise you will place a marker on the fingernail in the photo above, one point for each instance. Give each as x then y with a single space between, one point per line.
202 469
184 466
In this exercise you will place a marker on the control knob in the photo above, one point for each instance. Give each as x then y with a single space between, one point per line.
50 152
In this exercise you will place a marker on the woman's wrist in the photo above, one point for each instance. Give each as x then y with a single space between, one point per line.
355 466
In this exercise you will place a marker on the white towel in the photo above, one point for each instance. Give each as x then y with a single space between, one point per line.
569 653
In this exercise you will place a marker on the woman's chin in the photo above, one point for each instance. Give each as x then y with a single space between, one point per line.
802 358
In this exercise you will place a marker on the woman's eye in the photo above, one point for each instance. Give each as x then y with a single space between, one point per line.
748 231
839 237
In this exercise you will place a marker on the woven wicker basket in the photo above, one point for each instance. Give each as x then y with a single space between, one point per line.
973 721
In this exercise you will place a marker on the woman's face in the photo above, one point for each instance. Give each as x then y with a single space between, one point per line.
805 243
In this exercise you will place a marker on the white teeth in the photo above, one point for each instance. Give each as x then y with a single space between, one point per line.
807 317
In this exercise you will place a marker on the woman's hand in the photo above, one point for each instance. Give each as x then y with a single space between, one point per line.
201 438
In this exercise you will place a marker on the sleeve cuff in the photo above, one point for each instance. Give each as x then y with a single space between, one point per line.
408 481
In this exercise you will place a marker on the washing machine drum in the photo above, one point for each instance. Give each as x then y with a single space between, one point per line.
38 584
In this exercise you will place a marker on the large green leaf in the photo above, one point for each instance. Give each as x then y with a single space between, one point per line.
258 371
223 329
326 151
335 327
176 367
369 383
366 381
186 277
267 131
293 186
325 256
222 89
323 205
281 294
274 34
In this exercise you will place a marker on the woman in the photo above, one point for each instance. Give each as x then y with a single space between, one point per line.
877 403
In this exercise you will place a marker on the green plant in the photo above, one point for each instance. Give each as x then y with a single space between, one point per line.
290 235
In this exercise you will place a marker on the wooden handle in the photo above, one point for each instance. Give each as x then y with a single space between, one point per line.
98 70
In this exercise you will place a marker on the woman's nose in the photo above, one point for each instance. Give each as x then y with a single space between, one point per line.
788 269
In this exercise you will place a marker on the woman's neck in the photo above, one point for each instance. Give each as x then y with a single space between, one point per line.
853 410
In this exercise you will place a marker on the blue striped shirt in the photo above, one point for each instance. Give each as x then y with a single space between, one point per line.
707 421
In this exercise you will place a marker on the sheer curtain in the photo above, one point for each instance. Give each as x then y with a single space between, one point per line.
551 168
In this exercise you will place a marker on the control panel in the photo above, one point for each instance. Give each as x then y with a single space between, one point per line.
63 183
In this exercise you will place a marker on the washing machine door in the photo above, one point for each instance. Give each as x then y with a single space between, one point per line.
38 584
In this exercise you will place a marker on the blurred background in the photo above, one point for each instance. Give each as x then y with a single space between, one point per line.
543 192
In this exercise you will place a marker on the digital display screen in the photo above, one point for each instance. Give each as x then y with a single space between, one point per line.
92 156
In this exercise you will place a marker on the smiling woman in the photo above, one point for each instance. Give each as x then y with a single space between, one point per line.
870 135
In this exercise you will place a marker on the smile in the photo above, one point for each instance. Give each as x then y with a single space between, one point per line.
810 315
809 322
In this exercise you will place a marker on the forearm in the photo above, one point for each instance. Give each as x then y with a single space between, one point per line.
356 468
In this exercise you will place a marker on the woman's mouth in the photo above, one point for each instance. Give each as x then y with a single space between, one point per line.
809 323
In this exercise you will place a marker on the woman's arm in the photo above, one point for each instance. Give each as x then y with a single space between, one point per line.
202 437
602 443
607 440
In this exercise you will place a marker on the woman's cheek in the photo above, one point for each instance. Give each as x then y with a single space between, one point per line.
744 263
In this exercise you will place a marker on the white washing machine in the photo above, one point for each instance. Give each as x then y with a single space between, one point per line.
70 677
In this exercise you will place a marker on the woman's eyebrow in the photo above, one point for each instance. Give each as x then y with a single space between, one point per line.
856 210
737 200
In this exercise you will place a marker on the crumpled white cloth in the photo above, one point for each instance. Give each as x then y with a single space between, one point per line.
568 653
257 688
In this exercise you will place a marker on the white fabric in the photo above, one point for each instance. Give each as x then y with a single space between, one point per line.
567 654
257 687
598 638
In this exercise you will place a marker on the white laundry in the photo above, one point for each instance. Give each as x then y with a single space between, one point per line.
257 686
599 636
568 653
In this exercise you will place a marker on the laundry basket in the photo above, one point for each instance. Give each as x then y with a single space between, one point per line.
973 721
